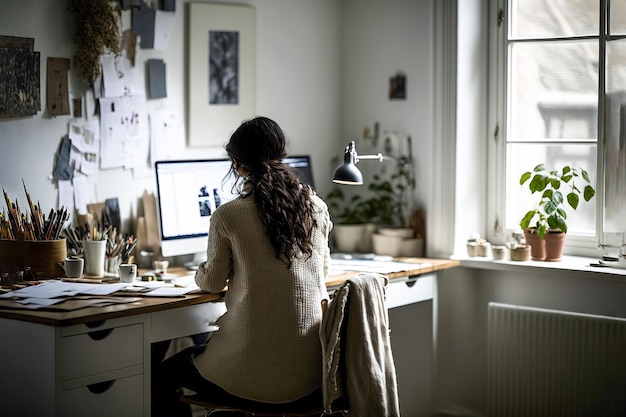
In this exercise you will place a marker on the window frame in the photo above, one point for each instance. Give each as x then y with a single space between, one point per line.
499 63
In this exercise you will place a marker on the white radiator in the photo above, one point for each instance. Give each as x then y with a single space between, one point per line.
555 363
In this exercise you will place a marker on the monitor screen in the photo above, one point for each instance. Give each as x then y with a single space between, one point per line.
189 191
302 166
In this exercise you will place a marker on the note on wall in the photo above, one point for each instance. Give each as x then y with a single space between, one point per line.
120 78
85 137
167 135
156 79
124 133
57 94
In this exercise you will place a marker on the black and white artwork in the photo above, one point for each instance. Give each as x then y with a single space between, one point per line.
223 67
221 71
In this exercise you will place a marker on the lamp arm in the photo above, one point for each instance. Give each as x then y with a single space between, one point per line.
378 156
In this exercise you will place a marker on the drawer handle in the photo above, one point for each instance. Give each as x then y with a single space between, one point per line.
100 387
100 334
410 282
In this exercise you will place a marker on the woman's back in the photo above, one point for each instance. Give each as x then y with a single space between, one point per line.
267 348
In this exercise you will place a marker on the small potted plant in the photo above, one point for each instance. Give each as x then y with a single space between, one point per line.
353 221
546 222
391 204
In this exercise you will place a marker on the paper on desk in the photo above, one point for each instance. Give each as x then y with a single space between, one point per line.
186 281
382 267
54 289
168 292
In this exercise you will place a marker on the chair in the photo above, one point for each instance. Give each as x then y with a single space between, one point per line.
309 406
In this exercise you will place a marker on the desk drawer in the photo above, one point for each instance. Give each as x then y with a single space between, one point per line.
185 321
401 292
101 351
120 398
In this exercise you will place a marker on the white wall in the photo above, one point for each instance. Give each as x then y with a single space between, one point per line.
382 38
298 84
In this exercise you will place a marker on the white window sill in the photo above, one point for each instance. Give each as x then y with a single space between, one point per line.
567 264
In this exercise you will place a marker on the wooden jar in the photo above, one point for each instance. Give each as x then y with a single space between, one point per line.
44 257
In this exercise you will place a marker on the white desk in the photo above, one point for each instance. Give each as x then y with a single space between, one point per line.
96 361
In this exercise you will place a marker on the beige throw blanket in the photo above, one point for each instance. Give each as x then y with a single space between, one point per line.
358 361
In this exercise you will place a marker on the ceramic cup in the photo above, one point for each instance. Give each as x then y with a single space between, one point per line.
128 272
73 267
95 251
160 267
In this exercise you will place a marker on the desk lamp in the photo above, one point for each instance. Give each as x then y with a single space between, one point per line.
347 173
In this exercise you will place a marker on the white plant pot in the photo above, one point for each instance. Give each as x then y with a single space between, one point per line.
353 238
397 246
401 232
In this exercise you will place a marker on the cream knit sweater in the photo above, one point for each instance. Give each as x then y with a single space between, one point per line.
267 347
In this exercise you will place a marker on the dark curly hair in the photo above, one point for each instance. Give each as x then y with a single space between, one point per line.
284 204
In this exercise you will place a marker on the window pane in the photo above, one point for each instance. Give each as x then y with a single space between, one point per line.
532 19
553 91
615 149
524 157
618 17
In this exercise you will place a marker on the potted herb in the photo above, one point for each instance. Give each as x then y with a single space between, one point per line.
353 221
391 202
392 195
547 220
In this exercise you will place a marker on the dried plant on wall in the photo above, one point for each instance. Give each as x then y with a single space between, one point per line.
97 31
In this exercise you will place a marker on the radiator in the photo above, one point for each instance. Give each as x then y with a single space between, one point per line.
555 363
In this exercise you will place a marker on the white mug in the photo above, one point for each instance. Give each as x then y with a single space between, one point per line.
73 267
128 273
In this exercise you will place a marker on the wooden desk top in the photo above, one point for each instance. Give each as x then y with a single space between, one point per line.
152 304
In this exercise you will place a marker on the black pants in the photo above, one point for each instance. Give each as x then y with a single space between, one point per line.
171 375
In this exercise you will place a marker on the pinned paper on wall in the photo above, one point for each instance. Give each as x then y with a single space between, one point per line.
167 136
62 168
120 78
124 134
143 20
163 23
66 196
85 137
81 194
57 94
156 79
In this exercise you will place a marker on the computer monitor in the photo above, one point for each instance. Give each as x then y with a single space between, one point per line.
302 166
187 193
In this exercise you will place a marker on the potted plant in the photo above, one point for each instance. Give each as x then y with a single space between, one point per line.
353 221
391 203
546 222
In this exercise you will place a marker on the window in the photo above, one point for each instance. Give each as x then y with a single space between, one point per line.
549 57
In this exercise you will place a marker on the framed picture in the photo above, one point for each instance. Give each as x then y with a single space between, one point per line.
221 71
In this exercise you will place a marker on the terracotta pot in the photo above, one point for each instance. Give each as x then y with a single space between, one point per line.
554 245
537 246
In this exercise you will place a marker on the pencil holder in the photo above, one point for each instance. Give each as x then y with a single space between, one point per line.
95 251
41 256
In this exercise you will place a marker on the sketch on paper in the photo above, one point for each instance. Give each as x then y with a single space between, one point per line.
223 67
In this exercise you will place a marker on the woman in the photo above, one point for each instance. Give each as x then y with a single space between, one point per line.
270 247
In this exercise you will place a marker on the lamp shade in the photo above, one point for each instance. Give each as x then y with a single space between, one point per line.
347 173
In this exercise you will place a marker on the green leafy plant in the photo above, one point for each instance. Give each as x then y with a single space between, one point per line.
391 195
349 210
387 204
557 188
